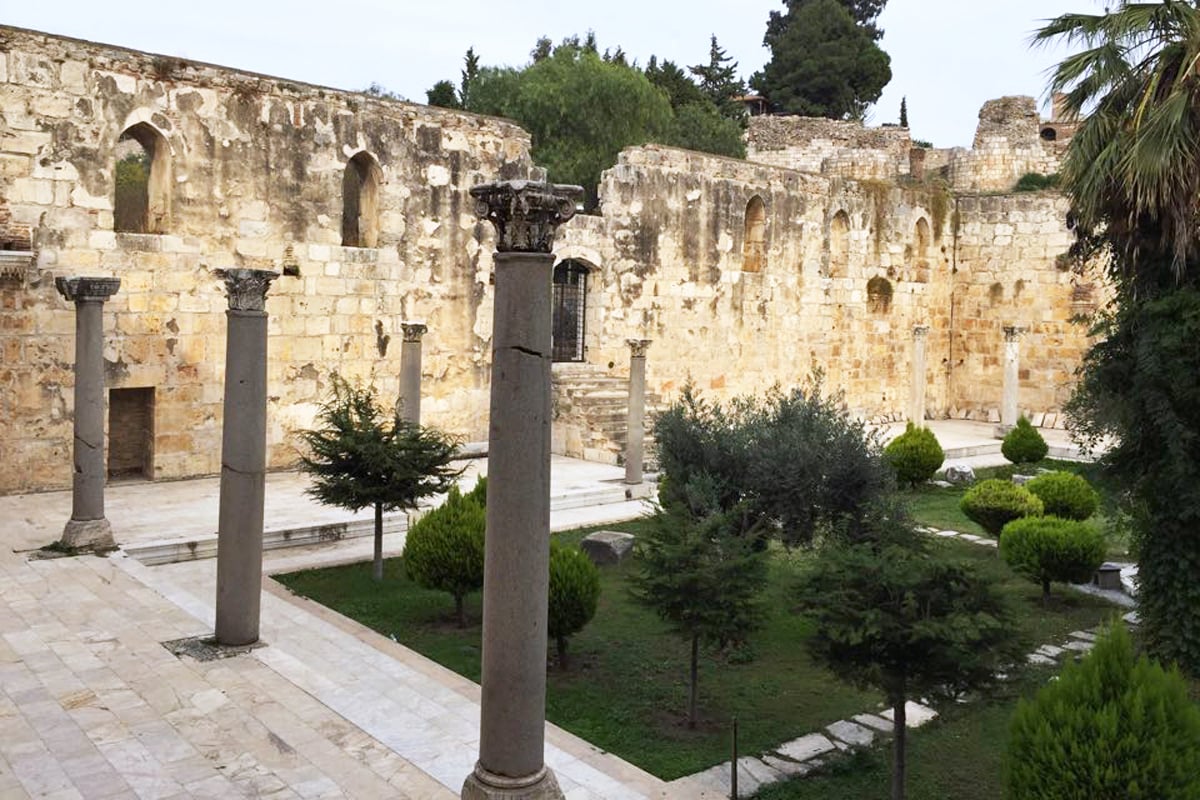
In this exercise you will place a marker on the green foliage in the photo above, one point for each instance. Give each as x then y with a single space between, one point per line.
928 145
915 455
444 94
1110 726
823 63
1024 444
719 82
904 112
444 549
994 503
1048 549
360 456
701 577
900 616
1036 182
132 198
699 126
382 92
574 595
793 464
1065 494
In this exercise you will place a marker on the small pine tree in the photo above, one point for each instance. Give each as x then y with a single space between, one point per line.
1065 494
444 549
915 455
702 578
1048 549
574 594
1023 444
1111 726
359 457
994 503
903 112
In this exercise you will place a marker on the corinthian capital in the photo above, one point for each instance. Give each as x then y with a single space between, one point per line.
526 214
247 288
85 290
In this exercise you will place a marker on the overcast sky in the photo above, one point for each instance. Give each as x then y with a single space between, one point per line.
948 56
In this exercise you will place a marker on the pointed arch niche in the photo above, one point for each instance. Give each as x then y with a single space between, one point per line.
360 201
142 197
921 242
839 245
754 239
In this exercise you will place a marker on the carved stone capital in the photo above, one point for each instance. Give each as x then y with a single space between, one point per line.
920 331
526 214
413 331
87 290
247 288
1013 333
638 347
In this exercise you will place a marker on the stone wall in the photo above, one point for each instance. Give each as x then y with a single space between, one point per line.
805 143
255 179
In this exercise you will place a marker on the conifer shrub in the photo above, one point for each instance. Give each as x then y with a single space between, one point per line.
994 503
915 455
1111 726
1048 549
574 594
444 549
1065 494
1024 444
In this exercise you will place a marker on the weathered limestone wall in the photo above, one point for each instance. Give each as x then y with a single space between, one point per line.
255 173
805 143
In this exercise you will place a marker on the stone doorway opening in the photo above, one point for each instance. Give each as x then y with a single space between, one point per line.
569 307
131 434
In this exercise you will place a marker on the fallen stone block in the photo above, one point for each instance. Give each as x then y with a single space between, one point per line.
607 547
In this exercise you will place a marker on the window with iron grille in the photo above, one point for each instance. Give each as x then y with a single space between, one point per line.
569 307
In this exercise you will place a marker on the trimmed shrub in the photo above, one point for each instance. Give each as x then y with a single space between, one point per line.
994 503
574 594
1036 182
1046 549
1065 494
1023 444
1110 726
915 455
444 549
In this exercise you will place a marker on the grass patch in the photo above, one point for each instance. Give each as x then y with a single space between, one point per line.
627 688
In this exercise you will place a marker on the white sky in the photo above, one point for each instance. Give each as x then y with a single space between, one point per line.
948 56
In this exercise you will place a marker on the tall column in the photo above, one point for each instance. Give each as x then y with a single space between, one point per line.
517 550
1012 374
635 441
410 371
88 528
916 407
243 457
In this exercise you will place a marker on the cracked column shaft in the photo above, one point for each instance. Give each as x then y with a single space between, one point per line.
243 457
635 427
410 371
517 549
88 527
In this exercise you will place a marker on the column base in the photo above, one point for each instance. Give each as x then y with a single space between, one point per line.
88 534
484 785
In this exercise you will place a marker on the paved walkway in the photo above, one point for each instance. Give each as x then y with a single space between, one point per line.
93 706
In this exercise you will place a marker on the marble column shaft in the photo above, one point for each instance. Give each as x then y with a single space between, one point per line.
1012 375
88 526
635 439
517 549
410 371
916 409
243 458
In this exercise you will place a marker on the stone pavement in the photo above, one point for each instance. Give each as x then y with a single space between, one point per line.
92 705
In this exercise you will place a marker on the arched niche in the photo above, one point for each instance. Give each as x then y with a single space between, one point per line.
754 238
142 178
839 245
360 201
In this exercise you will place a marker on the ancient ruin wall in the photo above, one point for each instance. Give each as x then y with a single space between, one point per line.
255 177
806 143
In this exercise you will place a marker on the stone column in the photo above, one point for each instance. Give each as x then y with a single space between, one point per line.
88 528
410 371
635 441
1012 374
243 457
517 551
916 407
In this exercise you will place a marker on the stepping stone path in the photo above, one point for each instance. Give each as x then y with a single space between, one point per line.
801 756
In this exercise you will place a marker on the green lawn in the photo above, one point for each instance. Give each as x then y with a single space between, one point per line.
626 690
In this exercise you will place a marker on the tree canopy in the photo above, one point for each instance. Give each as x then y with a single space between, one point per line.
824 62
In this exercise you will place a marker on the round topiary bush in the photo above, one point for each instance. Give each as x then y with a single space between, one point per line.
1046 549
1023 444
994 503
444 549
1110 726
1065 494
574 594
915 455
